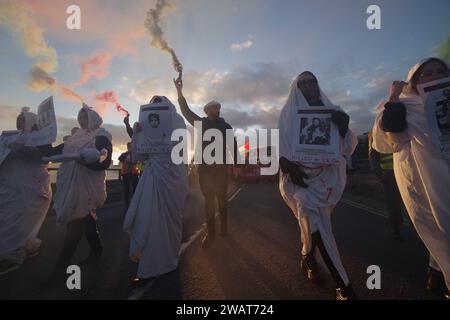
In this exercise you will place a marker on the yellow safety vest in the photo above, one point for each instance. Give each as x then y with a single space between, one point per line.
386 161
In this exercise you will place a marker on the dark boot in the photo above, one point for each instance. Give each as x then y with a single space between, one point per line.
345 293
436 283
310 268
140 282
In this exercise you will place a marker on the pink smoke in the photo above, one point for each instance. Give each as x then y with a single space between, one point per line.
95 67
104 100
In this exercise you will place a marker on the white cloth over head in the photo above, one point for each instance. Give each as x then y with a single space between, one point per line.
155 216
312 206
30 119
25 196
422 175
80 190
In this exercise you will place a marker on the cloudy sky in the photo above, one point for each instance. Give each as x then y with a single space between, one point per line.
244 54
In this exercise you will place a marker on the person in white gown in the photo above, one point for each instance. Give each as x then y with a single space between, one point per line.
421 170
154 217
81 189
312 191
25 196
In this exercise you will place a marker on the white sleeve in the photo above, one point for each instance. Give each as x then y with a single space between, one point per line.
349 143
387 142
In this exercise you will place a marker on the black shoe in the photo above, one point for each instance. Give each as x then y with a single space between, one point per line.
140 282
345 293
8 266
436 283
208 240
310 269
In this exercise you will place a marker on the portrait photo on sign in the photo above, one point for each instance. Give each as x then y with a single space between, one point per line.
436 97
155 120
316 137
315 131
443 113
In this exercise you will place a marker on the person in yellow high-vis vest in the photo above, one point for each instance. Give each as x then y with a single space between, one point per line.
383 166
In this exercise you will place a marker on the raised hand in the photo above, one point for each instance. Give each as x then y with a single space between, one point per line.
126 120
179 85
395 90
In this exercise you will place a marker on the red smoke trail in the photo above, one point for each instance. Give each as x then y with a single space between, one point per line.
109 97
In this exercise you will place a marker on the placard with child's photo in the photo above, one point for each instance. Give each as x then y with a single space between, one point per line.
436 97
315 137
155 120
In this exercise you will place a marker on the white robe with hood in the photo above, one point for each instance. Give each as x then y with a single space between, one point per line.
79 189
423 176
312 206
155 216
25 196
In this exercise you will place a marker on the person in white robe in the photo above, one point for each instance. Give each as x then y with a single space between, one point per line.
81 189
312 191
421 171
154 217
25 196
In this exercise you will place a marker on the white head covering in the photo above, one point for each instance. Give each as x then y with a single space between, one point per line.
30 119
94 119
409 97
416 67
297 100
294 102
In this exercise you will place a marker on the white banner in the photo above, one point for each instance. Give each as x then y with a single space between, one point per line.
6 138
46 124
155 120
315 137
436 97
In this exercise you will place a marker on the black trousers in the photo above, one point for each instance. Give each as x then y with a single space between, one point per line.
393 199
75 230
129 180
213 181
317 242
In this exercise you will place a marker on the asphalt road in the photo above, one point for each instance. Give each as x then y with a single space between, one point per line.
258 260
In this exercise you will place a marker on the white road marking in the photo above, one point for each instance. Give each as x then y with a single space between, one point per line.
377 212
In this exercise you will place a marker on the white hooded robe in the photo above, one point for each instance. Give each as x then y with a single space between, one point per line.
155 216
423 177
312 206
25 196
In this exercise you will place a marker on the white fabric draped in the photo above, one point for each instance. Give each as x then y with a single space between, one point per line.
80 190
25 196
155 216
422 175
312 206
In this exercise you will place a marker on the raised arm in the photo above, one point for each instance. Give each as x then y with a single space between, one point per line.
185 110
126 120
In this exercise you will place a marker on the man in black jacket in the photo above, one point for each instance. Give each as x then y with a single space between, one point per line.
213 178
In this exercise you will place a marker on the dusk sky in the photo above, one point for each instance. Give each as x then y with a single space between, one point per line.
243 54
